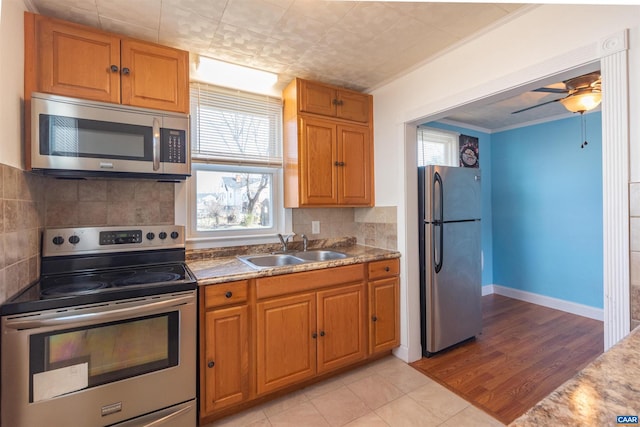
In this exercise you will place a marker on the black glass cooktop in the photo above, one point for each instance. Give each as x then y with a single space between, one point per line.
69 289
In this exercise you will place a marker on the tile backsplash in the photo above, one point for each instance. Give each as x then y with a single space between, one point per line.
375 226
85 203
21 220
29 203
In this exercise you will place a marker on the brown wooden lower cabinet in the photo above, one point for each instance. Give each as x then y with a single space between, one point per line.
265 336
384 327
286 347
341 329
226 360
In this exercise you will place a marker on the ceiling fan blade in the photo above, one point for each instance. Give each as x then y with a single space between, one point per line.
536 106
550 90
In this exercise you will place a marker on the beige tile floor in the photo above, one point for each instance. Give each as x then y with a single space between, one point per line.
384 393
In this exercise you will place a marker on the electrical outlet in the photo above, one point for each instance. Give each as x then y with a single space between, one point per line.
315 227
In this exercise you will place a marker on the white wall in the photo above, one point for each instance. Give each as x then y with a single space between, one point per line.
542 41
11 81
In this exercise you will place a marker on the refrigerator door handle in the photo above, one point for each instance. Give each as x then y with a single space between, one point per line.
437 181
437 254
438 222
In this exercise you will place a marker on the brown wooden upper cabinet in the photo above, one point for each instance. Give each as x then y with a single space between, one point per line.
328 146
336 102
74 60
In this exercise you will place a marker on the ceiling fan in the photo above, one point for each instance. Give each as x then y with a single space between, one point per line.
584 93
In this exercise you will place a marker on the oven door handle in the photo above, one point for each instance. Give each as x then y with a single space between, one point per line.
168 418
116 314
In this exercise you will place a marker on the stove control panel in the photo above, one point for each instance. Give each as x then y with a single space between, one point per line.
85 240
120 237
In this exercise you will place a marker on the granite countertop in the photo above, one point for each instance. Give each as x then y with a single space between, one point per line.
606 388
223 269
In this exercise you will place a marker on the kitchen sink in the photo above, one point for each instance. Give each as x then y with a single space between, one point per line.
272 260
320 255
279 260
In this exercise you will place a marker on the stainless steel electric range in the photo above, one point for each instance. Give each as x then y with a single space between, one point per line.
107 336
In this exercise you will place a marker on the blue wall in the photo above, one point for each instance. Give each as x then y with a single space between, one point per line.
547 210
484 154
542 208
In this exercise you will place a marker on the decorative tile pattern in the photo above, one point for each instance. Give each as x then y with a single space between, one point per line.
377 227
337 42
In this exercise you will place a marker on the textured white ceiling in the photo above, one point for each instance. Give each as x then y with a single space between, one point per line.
356 44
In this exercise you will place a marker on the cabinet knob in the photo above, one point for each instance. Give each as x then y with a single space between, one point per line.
387 269
314 335
211 364
126 71
337 163
322 333
341 163
374 318
114 68
229 294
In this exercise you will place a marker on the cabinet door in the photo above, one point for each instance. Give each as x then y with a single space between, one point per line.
226 358
317 98
353 106
318 157
154 76
341 333
286 346
75 61
384 317
355 177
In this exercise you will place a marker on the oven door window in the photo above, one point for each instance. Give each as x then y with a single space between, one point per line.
101 354
71 137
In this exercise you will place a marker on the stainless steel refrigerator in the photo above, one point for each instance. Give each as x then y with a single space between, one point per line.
449 200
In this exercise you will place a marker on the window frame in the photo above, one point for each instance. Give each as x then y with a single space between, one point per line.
453 144
250 234
281 217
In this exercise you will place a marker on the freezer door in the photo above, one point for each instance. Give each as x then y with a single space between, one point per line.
453 293
455 193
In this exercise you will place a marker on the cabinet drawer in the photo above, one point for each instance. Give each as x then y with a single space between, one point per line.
384 268
225 293
308 281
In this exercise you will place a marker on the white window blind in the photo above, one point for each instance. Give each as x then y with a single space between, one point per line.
436 147
235 127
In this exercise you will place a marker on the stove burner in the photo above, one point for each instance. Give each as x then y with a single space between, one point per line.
144 277
77 288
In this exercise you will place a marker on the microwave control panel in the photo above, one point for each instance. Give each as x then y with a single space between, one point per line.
174 146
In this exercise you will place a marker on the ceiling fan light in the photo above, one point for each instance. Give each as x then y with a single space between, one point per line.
581 102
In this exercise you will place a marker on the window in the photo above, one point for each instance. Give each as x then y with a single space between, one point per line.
437 147
236 141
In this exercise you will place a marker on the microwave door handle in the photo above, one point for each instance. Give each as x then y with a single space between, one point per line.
156 144
102 316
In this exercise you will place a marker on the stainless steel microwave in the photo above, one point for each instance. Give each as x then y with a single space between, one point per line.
77 138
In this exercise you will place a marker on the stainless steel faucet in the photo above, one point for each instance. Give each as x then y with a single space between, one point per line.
305 242
284 240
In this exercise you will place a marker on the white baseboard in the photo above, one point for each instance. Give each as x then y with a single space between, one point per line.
545 301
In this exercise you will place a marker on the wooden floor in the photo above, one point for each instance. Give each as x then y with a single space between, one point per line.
524 352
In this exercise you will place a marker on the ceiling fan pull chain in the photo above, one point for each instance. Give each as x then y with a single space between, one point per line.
584 129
